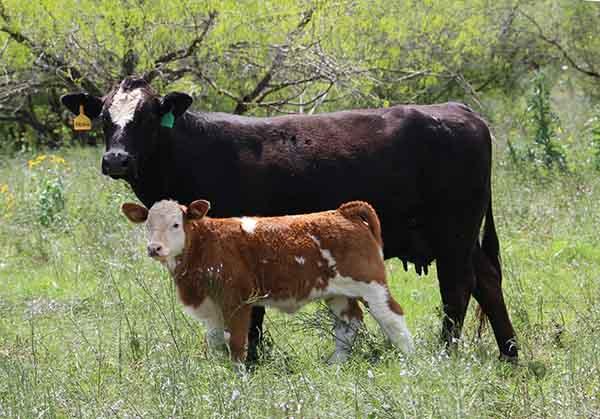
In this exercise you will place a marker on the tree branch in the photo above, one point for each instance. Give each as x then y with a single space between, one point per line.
242 105
181 53
559 47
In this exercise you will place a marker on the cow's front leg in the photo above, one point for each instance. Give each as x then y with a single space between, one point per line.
255 334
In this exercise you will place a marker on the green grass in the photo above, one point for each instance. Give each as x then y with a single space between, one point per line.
90 327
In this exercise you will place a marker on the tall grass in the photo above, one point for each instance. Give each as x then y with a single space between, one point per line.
90 327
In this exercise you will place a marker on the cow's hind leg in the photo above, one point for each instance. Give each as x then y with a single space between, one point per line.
488 292
389 315
457 281
255 334
348 319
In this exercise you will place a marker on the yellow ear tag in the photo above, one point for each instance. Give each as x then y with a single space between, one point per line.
81 121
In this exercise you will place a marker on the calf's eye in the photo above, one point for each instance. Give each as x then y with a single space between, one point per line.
176 225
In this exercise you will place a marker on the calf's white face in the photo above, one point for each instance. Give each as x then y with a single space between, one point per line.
166 238
164 225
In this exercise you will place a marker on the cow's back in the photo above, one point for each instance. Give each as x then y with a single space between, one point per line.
412 163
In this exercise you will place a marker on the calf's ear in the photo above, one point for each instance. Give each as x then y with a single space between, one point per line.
198 209
92 106
175 102
136 213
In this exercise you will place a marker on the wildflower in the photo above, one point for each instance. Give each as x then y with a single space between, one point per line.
7 198
57 160
38 160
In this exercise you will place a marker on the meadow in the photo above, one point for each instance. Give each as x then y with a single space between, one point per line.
90 326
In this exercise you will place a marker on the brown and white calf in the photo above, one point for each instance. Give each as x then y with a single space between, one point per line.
223 267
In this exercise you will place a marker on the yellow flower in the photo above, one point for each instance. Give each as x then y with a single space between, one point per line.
9 201
57 160
36 161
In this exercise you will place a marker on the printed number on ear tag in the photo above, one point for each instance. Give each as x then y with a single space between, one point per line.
81 122
168 120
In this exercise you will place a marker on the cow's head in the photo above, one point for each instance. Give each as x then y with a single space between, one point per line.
131 117
166 225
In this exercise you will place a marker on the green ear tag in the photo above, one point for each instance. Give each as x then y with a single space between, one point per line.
168 120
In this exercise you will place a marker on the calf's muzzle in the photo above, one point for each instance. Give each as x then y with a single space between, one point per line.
154 249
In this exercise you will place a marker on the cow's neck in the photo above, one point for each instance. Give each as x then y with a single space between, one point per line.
154 178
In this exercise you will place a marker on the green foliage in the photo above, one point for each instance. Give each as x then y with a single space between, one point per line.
545 125
542 125
49 188
593 130
260 57
51 202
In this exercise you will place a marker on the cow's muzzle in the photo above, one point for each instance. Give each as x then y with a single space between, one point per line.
116 163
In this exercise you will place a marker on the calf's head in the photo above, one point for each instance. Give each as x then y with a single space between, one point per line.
131 116
166 225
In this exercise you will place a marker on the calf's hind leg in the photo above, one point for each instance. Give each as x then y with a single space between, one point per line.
348 318
390 316
238 322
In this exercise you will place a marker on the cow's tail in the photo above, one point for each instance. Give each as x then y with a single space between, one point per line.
491 249
363 212
489 242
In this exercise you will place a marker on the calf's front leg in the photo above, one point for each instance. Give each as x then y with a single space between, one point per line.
238 321
210 315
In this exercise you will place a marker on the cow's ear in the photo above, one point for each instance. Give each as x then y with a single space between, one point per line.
136 213
198 209
92 106
175 102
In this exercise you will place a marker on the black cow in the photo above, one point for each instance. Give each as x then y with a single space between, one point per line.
426 170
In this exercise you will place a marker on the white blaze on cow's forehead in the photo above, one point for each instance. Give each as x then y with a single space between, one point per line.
123 106
248 224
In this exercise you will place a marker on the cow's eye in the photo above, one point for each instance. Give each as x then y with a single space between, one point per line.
176 225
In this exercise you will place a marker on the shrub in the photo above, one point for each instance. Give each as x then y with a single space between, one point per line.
48 171
544 124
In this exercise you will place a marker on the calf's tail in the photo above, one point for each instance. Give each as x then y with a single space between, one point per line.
362 211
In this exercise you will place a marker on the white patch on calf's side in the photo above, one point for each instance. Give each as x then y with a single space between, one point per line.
300 260
315 239
123 106
326 254
328 257
248 224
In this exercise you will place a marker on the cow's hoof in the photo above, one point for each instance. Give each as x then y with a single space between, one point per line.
512 359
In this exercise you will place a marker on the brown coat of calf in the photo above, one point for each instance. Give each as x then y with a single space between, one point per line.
223 267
